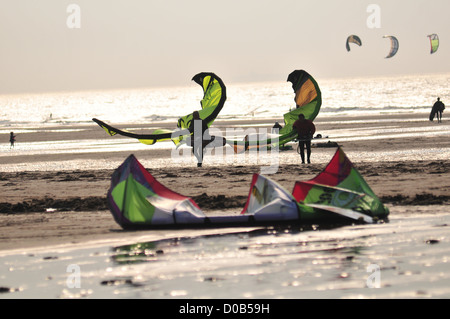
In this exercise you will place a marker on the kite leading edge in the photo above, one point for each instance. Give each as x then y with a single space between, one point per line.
214 98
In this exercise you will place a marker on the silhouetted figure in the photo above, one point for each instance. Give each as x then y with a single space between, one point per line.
437 110
12 139
305 130
200 137
276 126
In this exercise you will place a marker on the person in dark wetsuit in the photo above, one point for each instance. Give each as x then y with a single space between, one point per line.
12 139
276 127
200 137
438 108
305 130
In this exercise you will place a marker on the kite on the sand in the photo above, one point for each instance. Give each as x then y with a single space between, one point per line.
337 195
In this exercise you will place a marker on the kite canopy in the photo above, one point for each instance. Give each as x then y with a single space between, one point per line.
341 189
394 46
352 39
214 97
268 200
308 100
137 200
434 42
136 197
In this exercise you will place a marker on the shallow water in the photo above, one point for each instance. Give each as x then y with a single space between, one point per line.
406 258
225 156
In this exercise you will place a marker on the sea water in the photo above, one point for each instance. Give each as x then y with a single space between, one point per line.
406 258
349 96
264 102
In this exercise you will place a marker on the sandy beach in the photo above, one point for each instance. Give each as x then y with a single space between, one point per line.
41 207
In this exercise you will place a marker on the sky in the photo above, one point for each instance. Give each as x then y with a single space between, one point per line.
60 45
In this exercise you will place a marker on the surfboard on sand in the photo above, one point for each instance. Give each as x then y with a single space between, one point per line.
432 114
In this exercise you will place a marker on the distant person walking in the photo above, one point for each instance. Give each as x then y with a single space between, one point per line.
305 130
12 139
438 108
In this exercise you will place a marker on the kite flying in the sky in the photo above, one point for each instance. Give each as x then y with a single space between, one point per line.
352 39
394 46
434 42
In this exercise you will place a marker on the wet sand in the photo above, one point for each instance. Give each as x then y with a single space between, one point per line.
57 196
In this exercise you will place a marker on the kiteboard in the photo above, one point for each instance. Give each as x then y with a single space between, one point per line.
432 114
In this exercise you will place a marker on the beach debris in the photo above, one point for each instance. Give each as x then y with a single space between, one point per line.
123 281
50 258
5 289
137 200
326 144
214 97
418 199
120 282
52 205
212 279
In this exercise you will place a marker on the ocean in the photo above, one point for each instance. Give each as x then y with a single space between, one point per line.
264 102
350 96
405 258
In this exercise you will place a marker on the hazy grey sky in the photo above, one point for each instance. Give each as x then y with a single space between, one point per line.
141 43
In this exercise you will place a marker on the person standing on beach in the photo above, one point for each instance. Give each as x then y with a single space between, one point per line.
305 130
12 139
438 108
200 137
276 127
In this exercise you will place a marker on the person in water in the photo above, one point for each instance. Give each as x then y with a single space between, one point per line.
200 137
305 130
438 108
12 139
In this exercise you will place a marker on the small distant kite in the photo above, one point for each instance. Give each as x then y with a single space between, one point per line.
394 46
434 42
353 39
